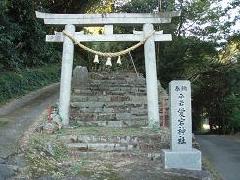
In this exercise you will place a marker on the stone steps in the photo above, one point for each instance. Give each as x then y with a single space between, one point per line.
100 147
108 116
108 98
124 78
104 142
117 85
141 141
113 155
108 92
83 138
114 124
127 90
123 109
113 75
111 104
110 113
89 92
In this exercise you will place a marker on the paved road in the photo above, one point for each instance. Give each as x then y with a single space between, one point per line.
224 153
14 120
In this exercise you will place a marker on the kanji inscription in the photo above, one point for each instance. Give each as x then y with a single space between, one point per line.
180 100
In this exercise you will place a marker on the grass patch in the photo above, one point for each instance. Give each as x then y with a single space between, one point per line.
94 170
78 169
43 157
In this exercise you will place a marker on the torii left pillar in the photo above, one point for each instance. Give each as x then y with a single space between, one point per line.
151 78
66 75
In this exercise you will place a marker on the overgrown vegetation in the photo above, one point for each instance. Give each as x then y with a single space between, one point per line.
14 84
44 157
22 37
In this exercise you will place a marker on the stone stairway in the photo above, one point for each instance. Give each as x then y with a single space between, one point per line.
109 113
111 100
108 143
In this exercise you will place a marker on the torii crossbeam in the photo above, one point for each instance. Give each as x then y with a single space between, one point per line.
108 20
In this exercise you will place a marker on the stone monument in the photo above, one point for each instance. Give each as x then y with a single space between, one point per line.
181 154
80 77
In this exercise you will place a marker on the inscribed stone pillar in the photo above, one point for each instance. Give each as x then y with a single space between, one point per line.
66 76
151 78
181 154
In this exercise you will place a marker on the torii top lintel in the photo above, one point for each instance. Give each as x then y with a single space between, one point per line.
105 19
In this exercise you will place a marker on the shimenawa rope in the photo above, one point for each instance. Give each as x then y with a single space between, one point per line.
108 54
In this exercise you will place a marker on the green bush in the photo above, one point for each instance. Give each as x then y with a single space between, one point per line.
13 84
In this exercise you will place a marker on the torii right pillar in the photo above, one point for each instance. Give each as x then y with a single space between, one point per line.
151 78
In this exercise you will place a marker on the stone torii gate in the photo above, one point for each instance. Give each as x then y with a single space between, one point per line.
108 20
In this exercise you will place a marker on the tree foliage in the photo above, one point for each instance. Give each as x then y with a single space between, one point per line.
22 37
193 54
63 6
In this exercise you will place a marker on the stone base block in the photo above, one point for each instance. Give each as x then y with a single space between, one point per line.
190 160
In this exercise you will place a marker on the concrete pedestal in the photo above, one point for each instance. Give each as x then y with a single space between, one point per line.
190 160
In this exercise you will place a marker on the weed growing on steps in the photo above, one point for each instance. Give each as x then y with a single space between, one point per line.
44 158
94 170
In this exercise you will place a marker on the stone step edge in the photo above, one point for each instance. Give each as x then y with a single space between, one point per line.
109 120
142 112
132 140
101 146
114 155
113 124
91 117
103 93
104 104
133 110
109 98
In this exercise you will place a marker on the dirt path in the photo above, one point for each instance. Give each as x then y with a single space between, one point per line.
16 117
224 153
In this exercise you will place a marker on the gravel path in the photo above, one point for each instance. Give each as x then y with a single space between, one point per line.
18 115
